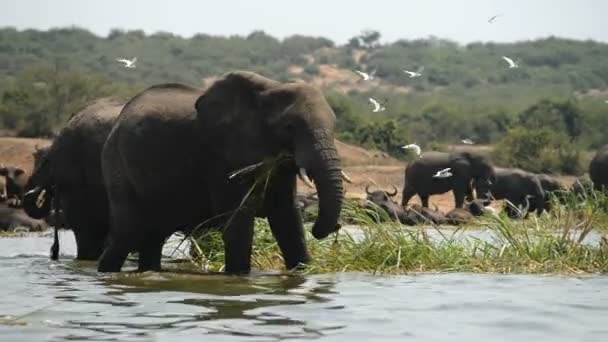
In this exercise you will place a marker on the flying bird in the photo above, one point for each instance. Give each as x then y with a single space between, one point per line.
414 147
414 74
491 20
445 173
128 63
366 76
467 141
510 61
377 106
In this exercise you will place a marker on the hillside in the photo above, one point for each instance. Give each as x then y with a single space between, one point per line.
464 91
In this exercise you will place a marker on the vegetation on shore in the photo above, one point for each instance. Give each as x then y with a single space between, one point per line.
553 243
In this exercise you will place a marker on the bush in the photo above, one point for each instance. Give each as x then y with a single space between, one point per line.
539 150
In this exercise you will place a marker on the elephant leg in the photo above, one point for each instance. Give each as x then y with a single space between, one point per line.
150 253
408 193
469 195
89 244
238 237
286 221
115 254
425 200
459 194
124 234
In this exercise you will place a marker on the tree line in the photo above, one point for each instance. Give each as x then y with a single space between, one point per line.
555 100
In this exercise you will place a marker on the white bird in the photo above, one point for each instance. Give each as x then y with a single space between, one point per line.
467 141
445 173
414 74
510 61
377 106
414 147
128 63
366 76
606 101
491 20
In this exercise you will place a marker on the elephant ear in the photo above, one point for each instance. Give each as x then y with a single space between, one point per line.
232 99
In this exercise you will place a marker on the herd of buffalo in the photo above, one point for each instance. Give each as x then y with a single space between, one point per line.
125 176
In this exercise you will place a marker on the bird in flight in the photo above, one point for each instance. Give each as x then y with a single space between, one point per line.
414 74
377 106
128 63
445 173
491 20
414 147
366 76
510 61
467 141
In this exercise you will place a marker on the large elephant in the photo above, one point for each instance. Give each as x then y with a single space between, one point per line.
69 173
598 169
521 188
465 168
192 140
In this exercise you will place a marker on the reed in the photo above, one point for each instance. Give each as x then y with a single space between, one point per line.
553 243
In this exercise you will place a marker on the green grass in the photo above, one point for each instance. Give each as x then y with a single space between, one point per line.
547 244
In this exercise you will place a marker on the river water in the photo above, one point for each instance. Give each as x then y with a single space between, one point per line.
65 300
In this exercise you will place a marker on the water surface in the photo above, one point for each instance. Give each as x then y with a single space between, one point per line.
44 300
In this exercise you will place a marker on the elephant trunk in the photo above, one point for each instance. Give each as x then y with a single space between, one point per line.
37 202
320 158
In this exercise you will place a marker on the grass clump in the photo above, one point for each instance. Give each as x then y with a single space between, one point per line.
553 243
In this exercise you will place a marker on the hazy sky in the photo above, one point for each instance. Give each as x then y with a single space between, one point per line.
460 20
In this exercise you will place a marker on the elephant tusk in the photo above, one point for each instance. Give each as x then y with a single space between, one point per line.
304 178
41 198
346 177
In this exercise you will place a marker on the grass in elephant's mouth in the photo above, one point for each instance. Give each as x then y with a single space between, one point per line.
553 243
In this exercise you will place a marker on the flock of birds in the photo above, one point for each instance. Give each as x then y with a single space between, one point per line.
378 107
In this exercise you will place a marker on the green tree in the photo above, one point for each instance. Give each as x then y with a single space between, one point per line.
538 150
560 116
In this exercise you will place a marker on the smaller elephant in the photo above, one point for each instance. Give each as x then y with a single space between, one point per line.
12 218
523 189
465 167
384 200
15 180
598 169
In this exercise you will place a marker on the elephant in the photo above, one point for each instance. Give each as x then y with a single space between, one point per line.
598 169
11 218
15 180
516 186
198 139
465 168
384 200
68 173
